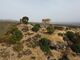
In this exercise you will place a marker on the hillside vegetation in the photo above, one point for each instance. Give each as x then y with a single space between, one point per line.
26 41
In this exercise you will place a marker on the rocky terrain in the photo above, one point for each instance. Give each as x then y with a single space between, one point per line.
29 47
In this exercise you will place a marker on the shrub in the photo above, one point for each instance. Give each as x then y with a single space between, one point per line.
50 30
71 36
75 48
65 38
16 35
36 27
44 45
75 38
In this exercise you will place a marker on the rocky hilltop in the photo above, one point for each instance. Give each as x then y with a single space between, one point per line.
27 41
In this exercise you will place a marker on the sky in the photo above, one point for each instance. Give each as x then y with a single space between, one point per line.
36 10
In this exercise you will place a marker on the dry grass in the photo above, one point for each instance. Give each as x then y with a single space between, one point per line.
4 26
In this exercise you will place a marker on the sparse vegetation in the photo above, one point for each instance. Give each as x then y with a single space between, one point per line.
15 35
12 36
75 38
50 30
19 37
36 27
44 45
75 48
71 36
5 26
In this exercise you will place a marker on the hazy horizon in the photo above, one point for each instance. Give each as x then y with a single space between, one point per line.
56 10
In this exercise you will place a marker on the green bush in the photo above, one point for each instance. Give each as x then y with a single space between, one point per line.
36 27
75 38
45 45
71 36
15 35
50 30
75 48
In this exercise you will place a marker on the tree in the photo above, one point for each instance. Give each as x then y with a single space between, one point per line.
36 27
25 19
